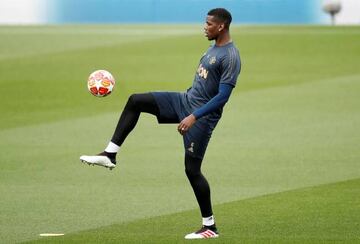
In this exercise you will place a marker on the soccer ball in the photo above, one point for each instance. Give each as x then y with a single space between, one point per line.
101 83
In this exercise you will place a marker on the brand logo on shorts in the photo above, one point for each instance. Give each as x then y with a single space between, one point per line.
191 148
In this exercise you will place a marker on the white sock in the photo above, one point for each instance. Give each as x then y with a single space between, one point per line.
112 148
208 221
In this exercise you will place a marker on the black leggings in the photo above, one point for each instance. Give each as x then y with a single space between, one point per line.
199 184
145 102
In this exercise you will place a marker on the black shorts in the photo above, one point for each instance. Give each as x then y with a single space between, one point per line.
173 109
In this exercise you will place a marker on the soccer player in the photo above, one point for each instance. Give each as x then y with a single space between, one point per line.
197 111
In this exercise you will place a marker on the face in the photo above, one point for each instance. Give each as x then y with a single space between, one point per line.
212 28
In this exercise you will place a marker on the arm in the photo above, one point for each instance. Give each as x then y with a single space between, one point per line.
215 103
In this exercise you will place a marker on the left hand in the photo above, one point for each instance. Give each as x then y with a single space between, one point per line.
186 124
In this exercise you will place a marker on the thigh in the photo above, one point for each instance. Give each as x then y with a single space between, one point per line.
169 106
196 140
144 102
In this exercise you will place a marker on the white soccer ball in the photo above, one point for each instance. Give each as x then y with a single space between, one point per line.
101 83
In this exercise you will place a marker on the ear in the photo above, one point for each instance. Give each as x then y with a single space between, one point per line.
221 27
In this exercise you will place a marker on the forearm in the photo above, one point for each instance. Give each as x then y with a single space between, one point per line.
215 103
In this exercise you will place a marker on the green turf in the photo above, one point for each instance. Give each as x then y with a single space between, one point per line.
292 122
326 214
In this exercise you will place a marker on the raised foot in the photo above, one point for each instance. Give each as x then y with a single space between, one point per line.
98 160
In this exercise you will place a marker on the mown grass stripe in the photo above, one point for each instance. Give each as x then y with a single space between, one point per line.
326 213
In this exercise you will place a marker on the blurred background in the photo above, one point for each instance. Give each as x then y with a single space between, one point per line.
283 162
177 11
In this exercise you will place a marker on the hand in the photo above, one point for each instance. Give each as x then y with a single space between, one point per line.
186 124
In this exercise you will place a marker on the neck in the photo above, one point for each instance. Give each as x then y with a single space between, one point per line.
223 39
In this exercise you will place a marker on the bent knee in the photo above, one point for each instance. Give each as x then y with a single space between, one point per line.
190 173
133 101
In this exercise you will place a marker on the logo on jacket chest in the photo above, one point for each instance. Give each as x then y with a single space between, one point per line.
202 72
212 60
205 65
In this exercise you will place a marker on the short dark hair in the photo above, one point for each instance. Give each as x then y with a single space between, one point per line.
222 15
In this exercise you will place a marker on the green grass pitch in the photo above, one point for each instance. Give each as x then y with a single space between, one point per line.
283 163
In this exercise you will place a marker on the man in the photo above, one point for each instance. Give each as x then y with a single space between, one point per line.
197 111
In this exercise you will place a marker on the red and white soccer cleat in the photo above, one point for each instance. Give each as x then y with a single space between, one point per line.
203 233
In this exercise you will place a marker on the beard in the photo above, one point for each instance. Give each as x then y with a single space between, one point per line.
211 38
